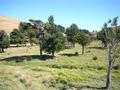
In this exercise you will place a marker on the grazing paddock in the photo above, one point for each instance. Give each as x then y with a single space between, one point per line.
21 68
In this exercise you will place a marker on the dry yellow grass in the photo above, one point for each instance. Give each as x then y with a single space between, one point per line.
8 24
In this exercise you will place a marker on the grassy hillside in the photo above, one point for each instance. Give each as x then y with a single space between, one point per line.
21 69
8 24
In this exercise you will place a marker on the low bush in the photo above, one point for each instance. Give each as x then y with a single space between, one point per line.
95 58
76 53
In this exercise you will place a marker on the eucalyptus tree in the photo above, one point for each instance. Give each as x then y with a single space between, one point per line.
38 24
112 37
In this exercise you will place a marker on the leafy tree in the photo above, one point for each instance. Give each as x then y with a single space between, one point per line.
32 35
100 36
4 41
54 43
54 39
17 37
30 32
38 24
112 37
83 40
71 33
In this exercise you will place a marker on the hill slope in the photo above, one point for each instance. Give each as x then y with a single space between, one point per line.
8 23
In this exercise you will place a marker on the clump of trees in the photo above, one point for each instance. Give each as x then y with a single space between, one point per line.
4 41
50 36
76 35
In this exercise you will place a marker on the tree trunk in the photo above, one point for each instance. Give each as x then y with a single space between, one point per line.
2 50
40 49
82 49
40 52
110 56
73 45
53 53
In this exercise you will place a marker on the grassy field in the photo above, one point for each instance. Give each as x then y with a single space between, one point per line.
22 69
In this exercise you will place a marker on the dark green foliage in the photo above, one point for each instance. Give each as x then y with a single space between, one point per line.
54 43
83 40
33 36
17 37
101 36
95 58
71 33
54 40
84 31
61 28
4 41
76 53
30 32
51 19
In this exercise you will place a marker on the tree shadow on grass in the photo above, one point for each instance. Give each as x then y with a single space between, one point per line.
98 88
102 48
89 88
27 57
69 54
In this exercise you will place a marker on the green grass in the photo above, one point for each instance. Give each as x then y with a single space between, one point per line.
65 72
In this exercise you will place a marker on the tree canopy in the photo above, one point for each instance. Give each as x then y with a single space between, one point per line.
71 33
4 41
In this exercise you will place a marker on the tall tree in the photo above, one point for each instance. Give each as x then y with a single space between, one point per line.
54 43
38 24
112 37
71 33
54 39
4 41
83 40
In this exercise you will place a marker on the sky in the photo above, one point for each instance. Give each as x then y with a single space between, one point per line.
87 14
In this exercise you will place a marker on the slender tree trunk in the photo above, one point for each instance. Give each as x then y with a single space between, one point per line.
110 56
53 53
40 49
2 49
82 49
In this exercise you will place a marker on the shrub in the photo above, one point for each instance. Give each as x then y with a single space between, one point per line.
76 53
95 58
116 67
